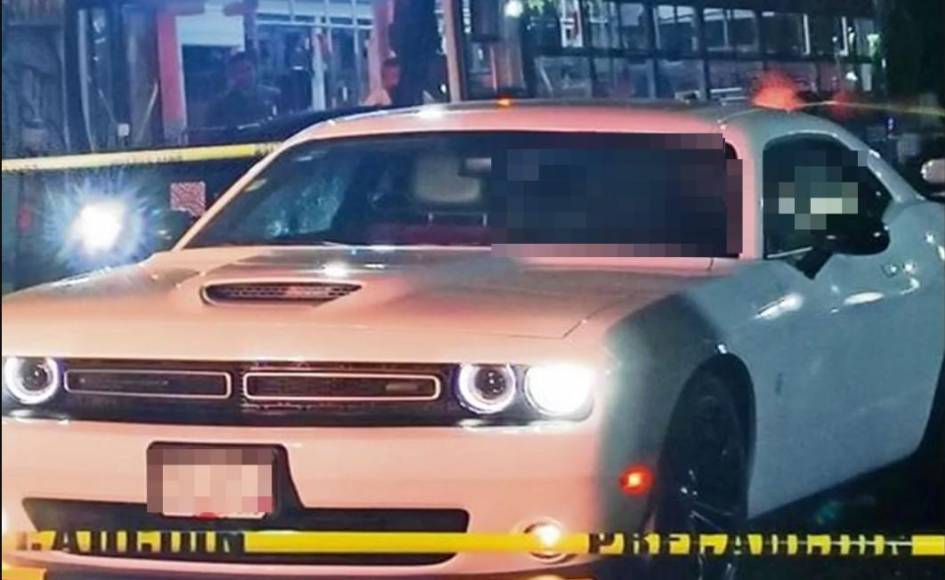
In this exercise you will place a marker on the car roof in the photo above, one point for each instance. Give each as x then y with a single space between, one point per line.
540 115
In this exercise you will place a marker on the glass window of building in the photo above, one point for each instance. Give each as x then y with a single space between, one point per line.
804 74
623 78
493 62
730 30
865 37
733 79
826 35
634 26
676 29
604 23
680 79
572 25
619 25
563 77
554 24
784 33
862 76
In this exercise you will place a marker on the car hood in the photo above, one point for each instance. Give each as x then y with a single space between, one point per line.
460 291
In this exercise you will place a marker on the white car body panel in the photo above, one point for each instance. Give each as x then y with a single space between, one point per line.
843 367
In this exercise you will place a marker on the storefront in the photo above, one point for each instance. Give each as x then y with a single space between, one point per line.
650 49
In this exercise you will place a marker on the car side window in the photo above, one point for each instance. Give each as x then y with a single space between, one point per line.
815 187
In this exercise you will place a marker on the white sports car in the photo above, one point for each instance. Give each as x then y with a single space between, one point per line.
489 318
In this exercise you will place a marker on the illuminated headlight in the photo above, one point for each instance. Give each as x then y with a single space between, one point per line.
559 390
99 225
486 389
31 381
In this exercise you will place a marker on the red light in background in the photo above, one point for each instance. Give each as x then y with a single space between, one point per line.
777 90
636 480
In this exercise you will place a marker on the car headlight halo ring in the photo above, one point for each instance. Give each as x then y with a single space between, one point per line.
32 380
487 389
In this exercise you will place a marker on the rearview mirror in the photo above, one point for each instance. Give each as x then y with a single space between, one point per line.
933 172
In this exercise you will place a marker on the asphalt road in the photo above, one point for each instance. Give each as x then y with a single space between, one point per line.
906 498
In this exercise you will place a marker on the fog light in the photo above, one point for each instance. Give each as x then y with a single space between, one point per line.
31 381
548 534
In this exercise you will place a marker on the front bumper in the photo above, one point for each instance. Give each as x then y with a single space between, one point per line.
504 477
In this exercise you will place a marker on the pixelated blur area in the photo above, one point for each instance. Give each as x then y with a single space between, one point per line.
817 184
210 482
625 195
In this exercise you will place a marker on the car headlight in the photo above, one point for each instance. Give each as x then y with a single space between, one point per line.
559 390
31 381
486 389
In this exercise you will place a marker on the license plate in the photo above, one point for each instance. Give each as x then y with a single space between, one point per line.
211 482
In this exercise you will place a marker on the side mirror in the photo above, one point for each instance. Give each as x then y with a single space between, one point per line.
866 236
933 172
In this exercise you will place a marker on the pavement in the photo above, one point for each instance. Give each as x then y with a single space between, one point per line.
906 498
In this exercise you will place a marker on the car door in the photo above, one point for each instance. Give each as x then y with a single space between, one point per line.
846 358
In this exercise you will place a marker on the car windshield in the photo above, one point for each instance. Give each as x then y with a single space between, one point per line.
662 194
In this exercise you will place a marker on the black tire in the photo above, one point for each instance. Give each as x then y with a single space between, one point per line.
703 478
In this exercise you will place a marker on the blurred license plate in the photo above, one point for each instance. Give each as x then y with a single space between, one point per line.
211 482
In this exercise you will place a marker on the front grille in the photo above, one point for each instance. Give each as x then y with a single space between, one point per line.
266 394
324 386
149 383
68 515
277 394
292 292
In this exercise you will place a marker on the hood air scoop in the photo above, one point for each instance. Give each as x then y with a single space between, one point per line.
276 292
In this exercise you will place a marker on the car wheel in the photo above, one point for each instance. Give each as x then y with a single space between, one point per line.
703 478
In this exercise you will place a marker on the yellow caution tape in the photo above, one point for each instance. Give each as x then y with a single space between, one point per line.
291 542
21 573
155 157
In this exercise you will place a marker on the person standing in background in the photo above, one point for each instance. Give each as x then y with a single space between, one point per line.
390 79
245 101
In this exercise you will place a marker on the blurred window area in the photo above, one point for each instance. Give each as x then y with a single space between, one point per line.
715 49
133 74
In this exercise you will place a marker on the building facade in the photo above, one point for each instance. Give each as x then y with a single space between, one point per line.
656 49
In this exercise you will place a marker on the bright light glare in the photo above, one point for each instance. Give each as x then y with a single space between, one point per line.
336 270
548 534
99 225
559 390
432 112
514 8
